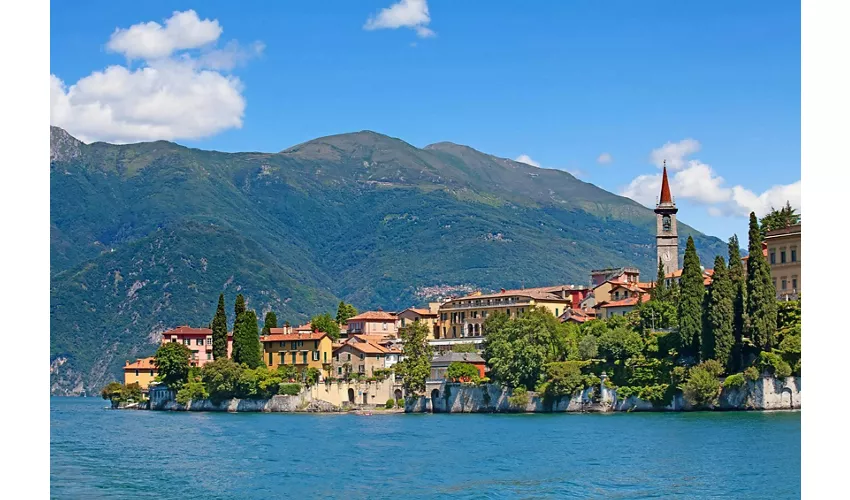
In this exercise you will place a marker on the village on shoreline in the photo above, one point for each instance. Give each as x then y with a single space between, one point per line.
692 338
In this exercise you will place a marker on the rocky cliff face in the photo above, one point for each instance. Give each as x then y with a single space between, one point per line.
764 394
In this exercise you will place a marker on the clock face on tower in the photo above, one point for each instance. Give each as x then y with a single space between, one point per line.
666 256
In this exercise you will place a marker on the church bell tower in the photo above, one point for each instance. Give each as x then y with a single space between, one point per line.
666 234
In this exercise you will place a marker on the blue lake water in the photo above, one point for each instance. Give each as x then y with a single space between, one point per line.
98 453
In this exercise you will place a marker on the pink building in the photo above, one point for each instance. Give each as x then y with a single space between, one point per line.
198 340
373 323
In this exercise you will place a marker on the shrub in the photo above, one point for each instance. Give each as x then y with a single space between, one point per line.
773 364
399 402
702 388
390 403
221 378
752 374
484 380
587 347
289 389
112 391
713 367
311 377
193 390
678 375
655 394
462 372
735 381
519 397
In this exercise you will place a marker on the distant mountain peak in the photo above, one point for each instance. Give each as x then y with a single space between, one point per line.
63 146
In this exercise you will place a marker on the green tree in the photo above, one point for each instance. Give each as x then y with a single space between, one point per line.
191 391
219 330
462 372
464 348
269 322
691 294
657 314
761 294
326 324
620 344
246 341
221 378
718 337
659 291
112 391
415 368
344 312
778 219
172 363
702 387
131 392
563 378
588 348
739 292
238 316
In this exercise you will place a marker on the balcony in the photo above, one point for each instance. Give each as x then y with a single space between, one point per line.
494 304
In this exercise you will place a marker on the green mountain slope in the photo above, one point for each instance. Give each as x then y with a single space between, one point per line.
145 236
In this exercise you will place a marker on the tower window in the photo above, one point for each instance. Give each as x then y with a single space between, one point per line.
666 222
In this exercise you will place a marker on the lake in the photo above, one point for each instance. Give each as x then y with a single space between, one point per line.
98 453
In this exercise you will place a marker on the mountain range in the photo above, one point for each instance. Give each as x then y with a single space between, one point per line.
144 237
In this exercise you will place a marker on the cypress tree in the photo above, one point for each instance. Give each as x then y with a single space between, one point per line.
737 277
246 341
718 338
659 291
761 293
219 330
269 322
691 291
238 316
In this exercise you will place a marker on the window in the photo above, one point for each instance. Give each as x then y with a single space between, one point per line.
793 255
326 356
339 371
402 322
194 354
784 283
385 326
209 356
483 314
773 256
293 358
362 356
187 342
271 359
294 345
666 223
774 283
152 372
209 340
300 343
282 361
304 357
315 344
794 284
315 355
349 357
282 346
782 256
174 340
556 312
199 342
137 373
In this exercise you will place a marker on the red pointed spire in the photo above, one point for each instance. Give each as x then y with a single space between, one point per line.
665 187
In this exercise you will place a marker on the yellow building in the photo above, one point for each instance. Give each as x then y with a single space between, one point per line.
783 250
303 350
430 316
142 372
464 316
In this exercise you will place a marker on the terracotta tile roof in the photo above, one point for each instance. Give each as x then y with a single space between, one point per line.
367 347
277 335
631 301
646 285
373 316
364 337
534 293
187 330
421 312
141 364
628 286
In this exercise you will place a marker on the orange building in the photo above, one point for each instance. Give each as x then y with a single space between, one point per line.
302 350
142 372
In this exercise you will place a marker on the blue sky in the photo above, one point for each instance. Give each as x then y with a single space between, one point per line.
563 83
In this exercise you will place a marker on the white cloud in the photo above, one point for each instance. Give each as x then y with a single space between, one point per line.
182 31
604 159
675 153
173 94
698 182
411 14
527 160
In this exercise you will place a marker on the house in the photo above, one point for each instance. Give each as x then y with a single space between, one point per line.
198 340
783 250
142 372
676 276
463 317
373 322
430 316
440 363
614 274
578 316
620 307
283 346
359 357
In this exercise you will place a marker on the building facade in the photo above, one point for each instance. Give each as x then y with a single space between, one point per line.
783 256
302 350
142 371
373 323
440 363
359 357
430 317
198 340
666 232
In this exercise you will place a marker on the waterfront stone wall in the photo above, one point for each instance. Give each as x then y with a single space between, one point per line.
764 394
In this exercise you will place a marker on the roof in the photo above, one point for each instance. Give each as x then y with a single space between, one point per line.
628 286
631 301
373 316
458 357
187 330
665 187
277 335
578 315
365 337
141 364
646 285
419 311
533 293
366 347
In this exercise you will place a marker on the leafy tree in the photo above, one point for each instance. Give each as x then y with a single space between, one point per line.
269 322
287 372
702 387
192 391
595 327
112 391
773 364
219 330
416 365
221 378
761 294
519 397
172 363
462 372
131 392
778 219
326 324
464 348
311 376
620 344
587 348
344 312
718 337
657 314
494 322
246 341
659 291
739 292
563 378
690 301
